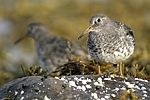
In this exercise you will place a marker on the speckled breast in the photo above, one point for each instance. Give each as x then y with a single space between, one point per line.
109 49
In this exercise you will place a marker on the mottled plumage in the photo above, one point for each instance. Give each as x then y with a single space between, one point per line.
109 41
51 50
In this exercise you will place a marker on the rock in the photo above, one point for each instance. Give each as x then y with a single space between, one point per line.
76 87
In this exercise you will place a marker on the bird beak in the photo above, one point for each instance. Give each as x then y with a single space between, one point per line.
21 38
89 29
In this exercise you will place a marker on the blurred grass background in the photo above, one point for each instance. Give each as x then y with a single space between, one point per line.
66 18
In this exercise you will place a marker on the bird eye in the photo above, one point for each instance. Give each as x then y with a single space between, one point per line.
31 28
98 20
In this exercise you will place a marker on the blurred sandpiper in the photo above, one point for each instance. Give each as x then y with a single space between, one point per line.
52 51
109 41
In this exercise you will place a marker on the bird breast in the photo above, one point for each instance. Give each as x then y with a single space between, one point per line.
108 48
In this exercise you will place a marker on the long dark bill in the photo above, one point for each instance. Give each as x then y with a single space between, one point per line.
90 28
21 38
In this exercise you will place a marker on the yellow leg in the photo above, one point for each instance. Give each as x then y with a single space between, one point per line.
120 68
99 70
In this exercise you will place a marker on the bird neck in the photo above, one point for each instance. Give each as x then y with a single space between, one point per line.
42 36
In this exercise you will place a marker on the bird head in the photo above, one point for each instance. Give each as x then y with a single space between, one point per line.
97 22
35 31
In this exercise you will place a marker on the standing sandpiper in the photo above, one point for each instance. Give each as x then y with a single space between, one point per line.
52 51
109 41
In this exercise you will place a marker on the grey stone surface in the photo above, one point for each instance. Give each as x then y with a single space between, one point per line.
77 87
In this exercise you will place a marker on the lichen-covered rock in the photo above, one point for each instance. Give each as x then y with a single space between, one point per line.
79 87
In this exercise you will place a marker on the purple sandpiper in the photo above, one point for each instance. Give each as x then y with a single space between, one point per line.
109 41
52 51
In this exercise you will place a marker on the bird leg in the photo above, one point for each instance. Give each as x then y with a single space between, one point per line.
70 52
120 68
99 70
